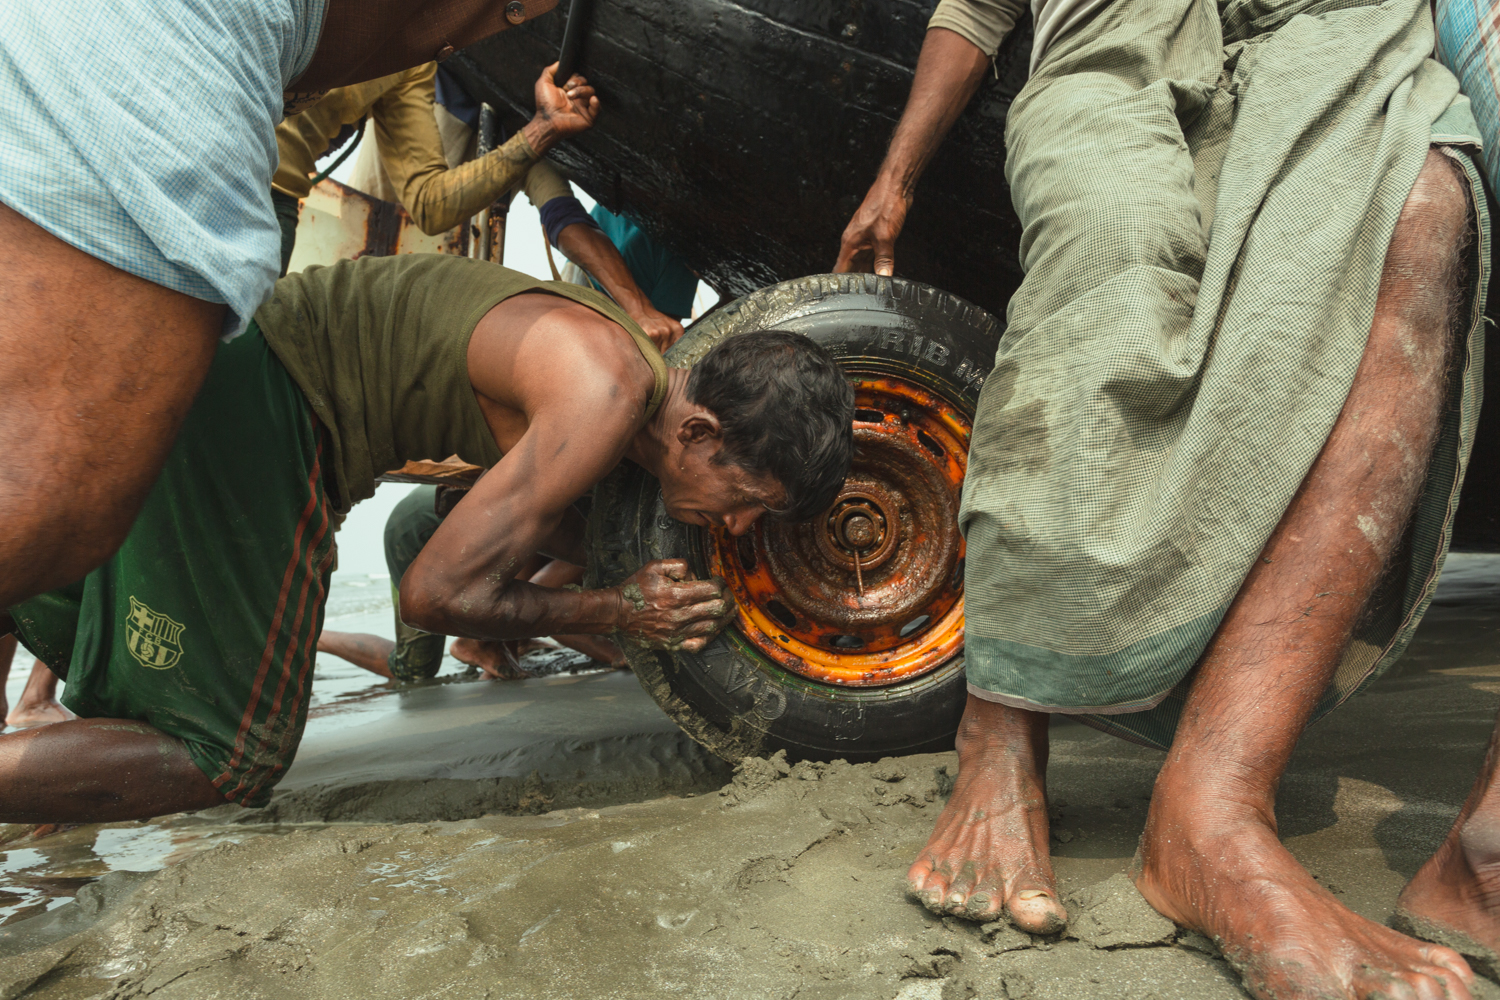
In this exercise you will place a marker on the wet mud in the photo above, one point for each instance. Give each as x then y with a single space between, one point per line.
788 881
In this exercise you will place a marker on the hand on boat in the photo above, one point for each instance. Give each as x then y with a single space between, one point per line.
663 330
869 241
560 111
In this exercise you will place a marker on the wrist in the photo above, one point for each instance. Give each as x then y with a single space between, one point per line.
895 184
539 134
637 307
617 607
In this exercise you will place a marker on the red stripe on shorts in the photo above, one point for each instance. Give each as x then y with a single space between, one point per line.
295 640
269 652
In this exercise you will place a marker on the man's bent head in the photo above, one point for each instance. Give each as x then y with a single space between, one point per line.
771 429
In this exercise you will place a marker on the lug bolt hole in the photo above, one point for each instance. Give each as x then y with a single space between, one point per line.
746 549
915 625
782 613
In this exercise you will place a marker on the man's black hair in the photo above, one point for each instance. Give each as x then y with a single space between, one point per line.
785 409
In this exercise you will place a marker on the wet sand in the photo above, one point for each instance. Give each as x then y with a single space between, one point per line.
785 883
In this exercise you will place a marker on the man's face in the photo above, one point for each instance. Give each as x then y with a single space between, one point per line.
698 490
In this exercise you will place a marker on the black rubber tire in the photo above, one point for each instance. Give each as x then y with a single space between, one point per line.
729 697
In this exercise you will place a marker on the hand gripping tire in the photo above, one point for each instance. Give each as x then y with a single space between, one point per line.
848 640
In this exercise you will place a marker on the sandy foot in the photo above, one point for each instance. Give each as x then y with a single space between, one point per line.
988 852
1454 899
1218 868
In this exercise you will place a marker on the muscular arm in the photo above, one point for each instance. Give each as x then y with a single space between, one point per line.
564 391
948 72
591 250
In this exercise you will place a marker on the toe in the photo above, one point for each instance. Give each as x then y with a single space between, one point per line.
1434 983
983 906
960 888
1449 960
1037 911
927 885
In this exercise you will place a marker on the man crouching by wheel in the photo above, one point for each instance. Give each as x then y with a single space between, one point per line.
188 655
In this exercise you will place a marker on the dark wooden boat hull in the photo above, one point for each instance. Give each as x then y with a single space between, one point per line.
744 135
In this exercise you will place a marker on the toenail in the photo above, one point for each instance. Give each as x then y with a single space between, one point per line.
956 899
979 902
1033 894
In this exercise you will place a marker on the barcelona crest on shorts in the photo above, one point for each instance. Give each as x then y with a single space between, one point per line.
152 637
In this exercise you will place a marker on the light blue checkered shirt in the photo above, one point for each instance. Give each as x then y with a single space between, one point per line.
143 133
1468 44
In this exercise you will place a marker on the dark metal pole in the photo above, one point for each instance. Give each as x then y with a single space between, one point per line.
491 221
567 56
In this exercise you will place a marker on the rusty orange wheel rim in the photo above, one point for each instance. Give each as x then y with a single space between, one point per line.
871 592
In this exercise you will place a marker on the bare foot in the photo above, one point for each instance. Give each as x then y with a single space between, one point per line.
499 660
988 852
596 648
38 705
1454 899
1216 866
30 714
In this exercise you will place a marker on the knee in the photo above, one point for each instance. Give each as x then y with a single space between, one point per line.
1432 235
1425 274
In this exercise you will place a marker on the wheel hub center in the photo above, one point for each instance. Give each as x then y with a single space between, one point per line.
858 526
872 591
857 532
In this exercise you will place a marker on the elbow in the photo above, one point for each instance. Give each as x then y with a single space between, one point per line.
421 606
431 223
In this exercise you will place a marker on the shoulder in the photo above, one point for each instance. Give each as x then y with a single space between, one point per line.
556 352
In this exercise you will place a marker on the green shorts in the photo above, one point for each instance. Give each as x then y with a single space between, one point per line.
204 623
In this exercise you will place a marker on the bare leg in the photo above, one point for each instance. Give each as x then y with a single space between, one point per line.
370 652
98 771
100 369
7 656
988 852
1210 858
39 705
1455 897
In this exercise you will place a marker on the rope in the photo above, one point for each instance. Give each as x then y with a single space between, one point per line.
348 148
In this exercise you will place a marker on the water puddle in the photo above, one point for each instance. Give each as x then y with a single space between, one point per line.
41 868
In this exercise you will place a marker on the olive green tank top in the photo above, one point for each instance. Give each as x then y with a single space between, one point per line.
379 346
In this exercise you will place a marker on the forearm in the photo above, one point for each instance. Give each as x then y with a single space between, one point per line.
948 73
447 198
513 610
591 250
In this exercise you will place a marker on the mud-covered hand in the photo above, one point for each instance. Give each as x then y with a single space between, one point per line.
560 111
663 330
869 241
664 607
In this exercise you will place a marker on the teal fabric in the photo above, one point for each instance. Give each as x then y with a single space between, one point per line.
667 281
1469 44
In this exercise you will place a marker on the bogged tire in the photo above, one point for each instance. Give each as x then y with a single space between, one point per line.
732 697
